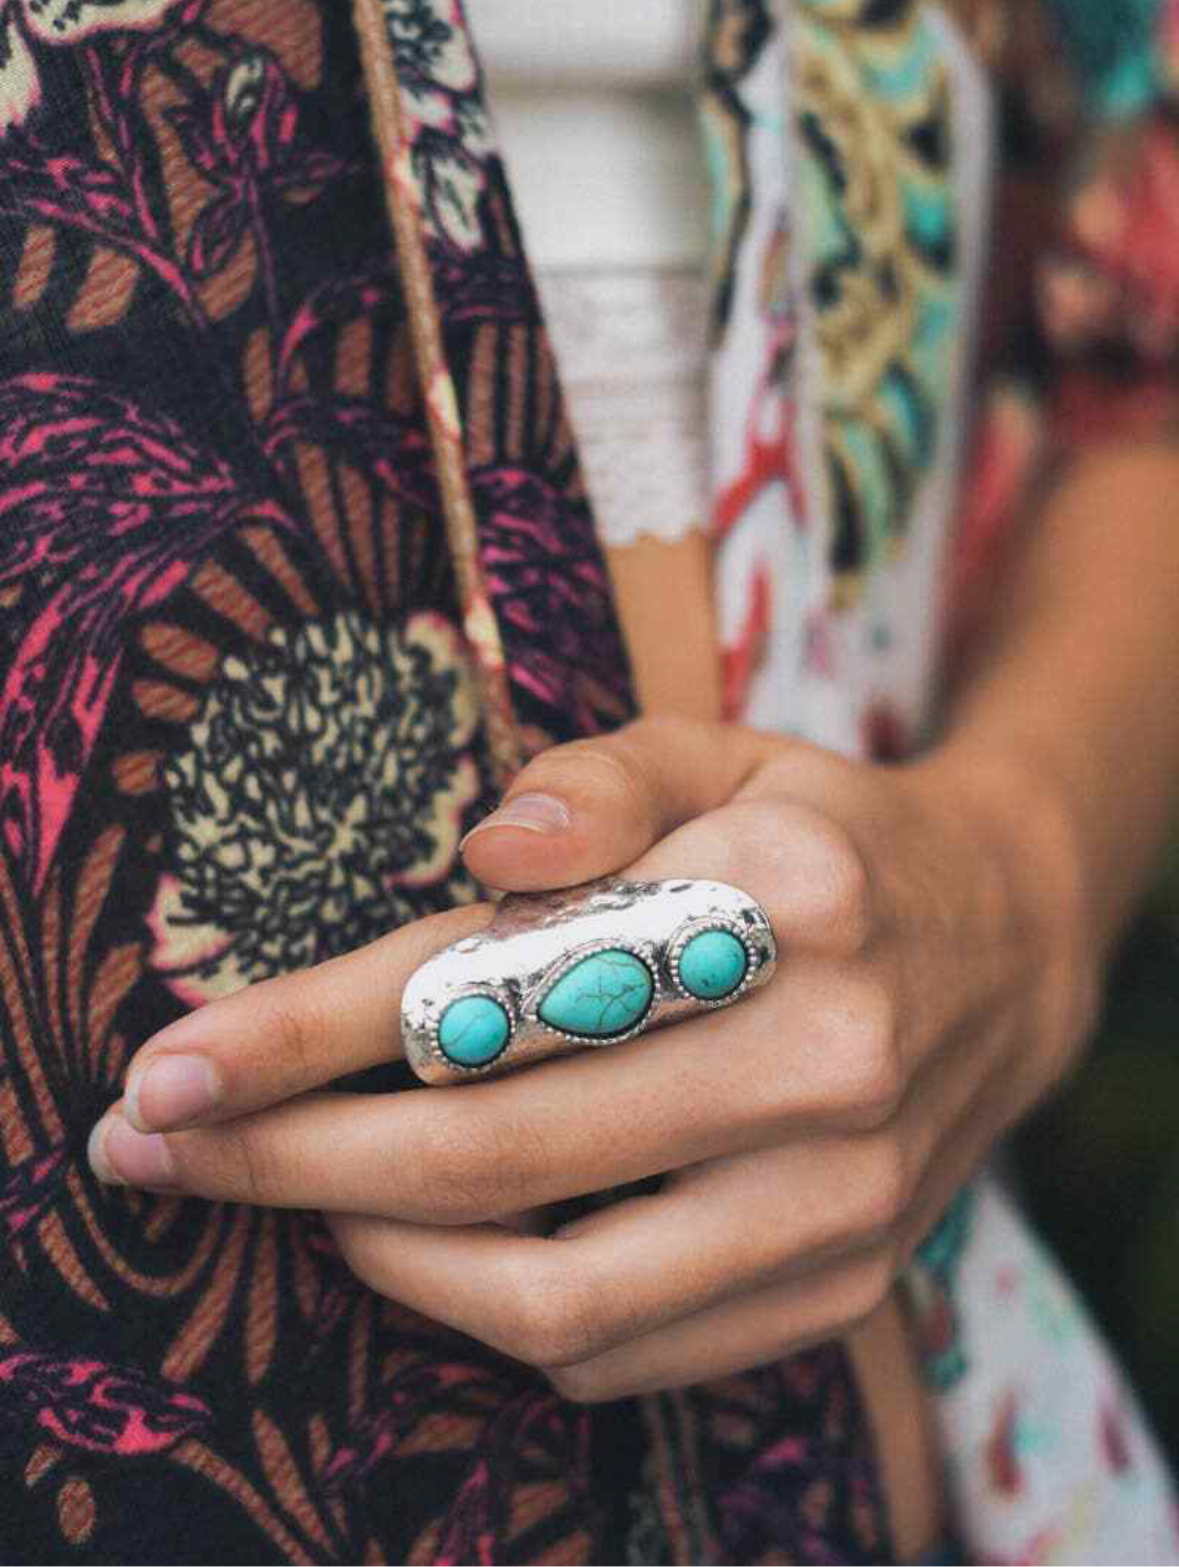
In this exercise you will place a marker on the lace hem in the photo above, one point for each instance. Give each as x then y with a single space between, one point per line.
632 347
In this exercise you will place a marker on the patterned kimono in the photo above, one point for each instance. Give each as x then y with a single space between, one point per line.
296 565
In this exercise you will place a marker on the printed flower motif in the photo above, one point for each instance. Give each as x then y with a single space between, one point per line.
56 22
880 231
106 509
242 136
327 771
448 130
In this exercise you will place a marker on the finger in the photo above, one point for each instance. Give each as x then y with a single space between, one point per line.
631 1268
958 1142
287 1035
714 1086
671 798
756 1329
593 807
520 1297
296 1033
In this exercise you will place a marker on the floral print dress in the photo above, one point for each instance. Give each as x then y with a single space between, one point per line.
296 564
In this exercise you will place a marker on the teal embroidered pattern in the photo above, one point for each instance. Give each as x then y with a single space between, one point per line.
873 114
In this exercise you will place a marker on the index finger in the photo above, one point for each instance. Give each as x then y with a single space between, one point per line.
284 1036
289 1035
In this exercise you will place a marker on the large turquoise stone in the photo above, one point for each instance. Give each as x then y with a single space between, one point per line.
712 965
603 995
474 1030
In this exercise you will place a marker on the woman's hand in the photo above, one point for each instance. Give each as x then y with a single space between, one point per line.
935 979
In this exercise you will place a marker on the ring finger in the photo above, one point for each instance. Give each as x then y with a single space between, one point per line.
631 1268
616 1340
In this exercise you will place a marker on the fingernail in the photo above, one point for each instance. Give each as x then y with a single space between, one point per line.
170 1092
121 1156
533 812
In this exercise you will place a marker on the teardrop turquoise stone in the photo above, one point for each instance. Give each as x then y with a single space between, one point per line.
603 995
474 1030
712 965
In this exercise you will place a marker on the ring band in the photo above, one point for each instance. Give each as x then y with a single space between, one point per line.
594 966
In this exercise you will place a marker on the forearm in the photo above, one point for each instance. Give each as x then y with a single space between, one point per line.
1069 718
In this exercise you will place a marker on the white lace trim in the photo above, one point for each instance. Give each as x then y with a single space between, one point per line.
632 350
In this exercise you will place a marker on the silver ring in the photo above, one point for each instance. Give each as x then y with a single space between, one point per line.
594 966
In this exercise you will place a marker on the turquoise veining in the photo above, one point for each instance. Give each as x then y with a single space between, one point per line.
473 1031
605 994
712 965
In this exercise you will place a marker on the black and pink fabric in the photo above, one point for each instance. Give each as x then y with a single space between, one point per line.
295 565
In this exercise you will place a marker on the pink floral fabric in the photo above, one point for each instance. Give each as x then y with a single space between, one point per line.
295 565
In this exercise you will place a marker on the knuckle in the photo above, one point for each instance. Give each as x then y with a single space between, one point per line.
557 1322
871 1076
469 1167
297 1029
610 773
864 1290
235 1160
815 867
884 1190
845 884
760 846
259 1160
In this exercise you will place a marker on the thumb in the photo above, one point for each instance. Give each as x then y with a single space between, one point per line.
593 807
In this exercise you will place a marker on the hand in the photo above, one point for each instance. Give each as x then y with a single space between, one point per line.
934 980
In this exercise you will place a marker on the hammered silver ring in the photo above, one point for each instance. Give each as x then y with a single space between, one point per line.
593 966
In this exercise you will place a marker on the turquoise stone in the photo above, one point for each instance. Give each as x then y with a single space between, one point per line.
474 1030
603 995
712 965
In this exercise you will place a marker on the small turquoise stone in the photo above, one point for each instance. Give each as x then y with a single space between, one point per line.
712 965
474 1030
603 995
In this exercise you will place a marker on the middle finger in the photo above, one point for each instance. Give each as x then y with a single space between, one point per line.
788 1061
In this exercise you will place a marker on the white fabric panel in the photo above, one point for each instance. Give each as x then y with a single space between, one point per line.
594 114
633 354
601 43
